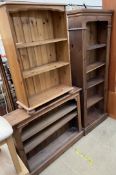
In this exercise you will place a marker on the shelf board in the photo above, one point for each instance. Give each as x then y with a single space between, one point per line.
39 43
93 100
53 148
94 66
96 46
44 68
94 115
47 120
46 96
93 82
35 141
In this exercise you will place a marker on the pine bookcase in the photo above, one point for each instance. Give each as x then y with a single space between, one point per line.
36 44
90 32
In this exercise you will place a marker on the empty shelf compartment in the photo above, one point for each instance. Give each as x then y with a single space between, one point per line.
52 149
36 140
44 68
94 66
95 81
47 119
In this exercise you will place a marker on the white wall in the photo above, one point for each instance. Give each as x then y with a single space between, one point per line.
87 2
80 2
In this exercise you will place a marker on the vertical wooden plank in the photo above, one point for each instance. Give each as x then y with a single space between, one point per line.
30 51
48 34
23 54
9 45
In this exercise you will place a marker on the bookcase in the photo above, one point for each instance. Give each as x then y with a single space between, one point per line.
42 137
89 32
36 44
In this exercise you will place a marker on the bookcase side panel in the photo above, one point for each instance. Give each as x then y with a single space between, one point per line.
7 37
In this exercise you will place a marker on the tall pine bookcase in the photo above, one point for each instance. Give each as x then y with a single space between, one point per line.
89 33
36 45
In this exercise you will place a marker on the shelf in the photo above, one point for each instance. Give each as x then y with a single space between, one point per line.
96 46
47 120
94 66
44 68
94 115
35 141
93 100
93 82
53 148
48 95
39 43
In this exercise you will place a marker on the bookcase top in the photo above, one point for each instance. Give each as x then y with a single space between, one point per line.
30 3
89 11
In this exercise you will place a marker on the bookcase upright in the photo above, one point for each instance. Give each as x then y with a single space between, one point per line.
89 32
36 45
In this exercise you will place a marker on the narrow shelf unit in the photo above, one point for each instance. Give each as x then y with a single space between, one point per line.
39 61
45 135
89 50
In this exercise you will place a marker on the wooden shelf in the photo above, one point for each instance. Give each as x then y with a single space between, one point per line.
39 43
45 154
94 66
35 141
93 100
93 82
44 68
94 115
48 95
46 121
96 46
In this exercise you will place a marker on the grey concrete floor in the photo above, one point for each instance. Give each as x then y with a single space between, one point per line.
94 154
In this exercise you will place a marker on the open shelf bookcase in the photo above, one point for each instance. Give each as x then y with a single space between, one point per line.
89 32
36 44
44 136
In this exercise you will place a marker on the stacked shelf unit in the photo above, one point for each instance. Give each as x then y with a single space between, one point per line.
89 32
44 136
39 62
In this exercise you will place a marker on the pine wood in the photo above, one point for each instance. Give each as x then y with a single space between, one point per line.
39 43
30 145
107 4
94 82
43 136
39 62
96 46
93 100
34 128
44 68
94 66
89 33
112 70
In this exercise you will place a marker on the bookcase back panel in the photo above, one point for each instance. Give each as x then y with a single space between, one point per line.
97 55
97 32
99 73
42 82
97 90
39 24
